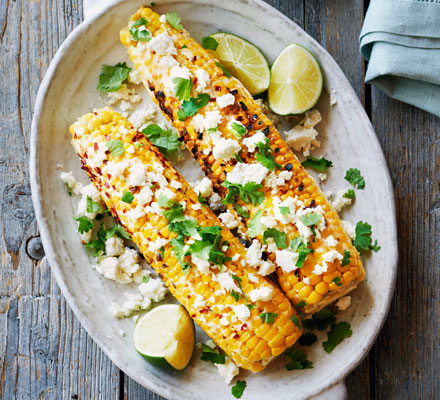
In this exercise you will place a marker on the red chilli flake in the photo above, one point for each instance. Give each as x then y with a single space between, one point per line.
204 310
236 336
243 327
96 146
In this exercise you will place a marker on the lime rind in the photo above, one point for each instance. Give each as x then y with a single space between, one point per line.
288 95
250 67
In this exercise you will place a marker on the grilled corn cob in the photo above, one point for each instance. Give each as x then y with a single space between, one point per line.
226 301
333 267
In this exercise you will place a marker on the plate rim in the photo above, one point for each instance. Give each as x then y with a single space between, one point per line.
48 243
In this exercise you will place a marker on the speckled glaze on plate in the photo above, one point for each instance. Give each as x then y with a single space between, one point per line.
69 90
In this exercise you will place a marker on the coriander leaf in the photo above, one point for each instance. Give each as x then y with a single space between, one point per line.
209 248
98 244
255 226
84 225
112 77
174 20
162 252
225 71
236 278
182 88
139 32
241 211
353 175
268 318
202 200
300 305
184 46
174 212
320 164
166 140
363 240
238 129
296 321
285 210
294 243
320 320
349 194
145 279
248 193
299 359
239 159
346 260
337 281
307 339
279 237
337 334
191 106
235 295
118 230
265 157
92 206
163 200
187 227
178 251
303 251
210 43
310 219
116 147
238 389
127 197
209 354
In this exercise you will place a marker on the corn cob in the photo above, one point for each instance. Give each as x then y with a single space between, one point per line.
318 282
250 342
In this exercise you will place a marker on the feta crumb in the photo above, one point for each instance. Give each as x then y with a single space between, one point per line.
196 206
155 246
244 173
199 302
216 202
201 264
116 169
134 77
266 268
254 255
349 228
162 44
175 184
302 137
226 282
225 100
286 259
228 370
169 194
71 182
229 220
209 121
142 116
137 174
163 18
333 99
225 149
123 94
210 343
320 269
331 256
154 289
134 302
264 293
338 201
274 181
306 280
330 241
203 187
144 196
343 303
322 177
252 278
202 79
242 312
114 246
252 141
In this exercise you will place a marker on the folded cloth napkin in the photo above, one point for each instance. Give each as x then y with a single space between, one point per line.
401 40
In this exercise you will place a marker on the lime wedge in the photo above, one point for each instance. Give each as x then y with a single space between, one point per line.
165 336
296 81
244 61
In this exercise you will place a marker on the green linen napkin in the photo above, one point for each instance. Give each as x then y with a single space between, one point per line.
401 40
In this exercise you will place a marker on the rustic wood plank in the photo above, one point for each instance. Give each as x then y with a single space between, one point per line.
407 353
44 351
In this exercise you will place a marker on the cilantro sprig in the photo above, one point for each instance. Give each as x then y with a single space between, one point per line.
84 224
182 88
112 77
238 129
265 157
209 247
353 175
255 225
127 197
238 389
349 194
241 211
191 106
320 321
240 295
174 20
210 43
116 147
279 237
346 259
363 240
307 339
139 32
209 354
336 335
320 164
298 359
102 235
166 140
268 317
303 252
225 71
248 193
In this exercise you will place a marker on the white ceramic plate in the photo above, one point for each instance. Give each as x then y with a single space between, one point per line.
69 90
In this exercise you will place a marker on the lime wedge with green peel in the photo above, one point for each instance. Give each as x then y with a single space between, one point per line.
296 81
244 61
165 336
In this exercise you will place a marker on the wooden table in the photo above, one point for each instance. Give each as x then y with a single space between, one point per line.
46 354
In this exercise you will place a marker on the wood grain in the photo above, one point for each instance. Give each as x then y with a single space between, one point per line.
44 351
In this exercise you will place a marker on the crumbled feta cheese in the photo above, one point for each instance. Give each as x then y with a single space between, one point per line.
225 100
322 177
333 99
252 141
226 281
343 303
169 194
176 71
142 116
175 184
331 256
302 137
71 182
145 195
266 268
349 228
252 278
155 246
268 221
86 237
203 187
209 121
137 174
116 169
225 149
129 261
330 241
154 289
134 77
242 312
199 302
202 79
114 246
338 201
290 203
245 173
125 105
91 191
306 280
196 206
286 259
135 213
228 370
274 181
216 202
162 44
134 303
110 268
123 94
254 255
264 293
229 220
163 18
168 62
320 269
201 264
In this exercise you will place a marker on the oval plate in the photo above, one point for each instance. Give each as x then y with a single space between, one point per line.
69 90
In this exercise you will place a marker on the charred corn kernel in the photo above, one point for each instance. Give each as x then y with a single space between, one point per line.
144 221
154 64
321 288
314 297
